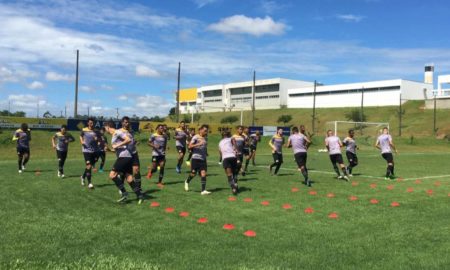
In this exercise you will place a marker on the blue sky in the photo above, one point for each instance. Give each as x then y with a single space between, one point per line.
129 50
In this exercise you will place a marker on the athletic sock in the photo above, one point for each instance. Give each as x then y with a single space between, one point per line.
344 170
305 174
20 163
388 171
119 184
189 178
136 186
161 174
336 169
89 175
392 169
277 168
246 164
230 180
350 168
203 181
85 173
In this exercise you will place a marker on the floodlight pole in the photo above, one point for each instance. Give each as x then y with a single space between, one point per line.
75 113
434 116
400 117
362 110
177 109
314 108
253 99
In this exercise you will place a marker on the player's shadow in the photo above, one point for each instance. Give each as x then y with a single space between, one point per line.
104 185
148 192
35 171
218 189
247 179
285 174
173 183
244 189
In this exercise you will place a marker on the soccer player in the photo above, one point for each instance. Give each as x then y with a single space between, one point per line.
351 147
199 146
276 143
299 143
89 143
334 144
60 142
23 138
385 144
191 134
239 142
254 139
180 143
158 142
122 168
246 149
102 146
229 160
135 162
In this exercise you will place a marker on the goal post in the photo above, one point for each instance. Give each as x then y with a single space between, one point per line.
342 127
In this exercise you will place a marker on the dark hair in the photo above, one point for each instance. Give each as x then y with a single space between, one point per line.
125 118
64 126
110 124
91 119
159 125
24 127
182 122
351 130
295 129
226 134
240 126
204 126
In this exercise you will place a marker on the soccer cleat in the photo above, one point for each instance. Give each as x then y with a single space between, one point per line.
340 177
243 173
101 170
62 176
123 198
386 178
59 174
188 163
140 199
393 177
308 183
159 168
346 178
23 168
186 186
20 171
82 180
351 175
91 186
178 169
205 192
270 170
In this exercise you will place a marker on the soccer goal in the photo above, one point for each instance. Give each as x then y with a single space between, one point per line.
341 128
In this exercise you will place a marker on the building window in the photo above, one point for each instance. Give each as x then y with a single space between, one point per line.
346 91
212 100
258 89
212 93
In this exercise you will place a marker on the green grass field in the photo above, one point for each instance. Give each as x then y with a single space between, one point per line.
48 223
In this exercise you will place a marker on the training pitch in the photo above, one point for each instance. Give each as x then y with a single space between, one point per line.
274 223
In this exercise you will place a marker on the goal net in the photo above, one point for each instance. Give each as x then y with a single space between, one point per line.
341 128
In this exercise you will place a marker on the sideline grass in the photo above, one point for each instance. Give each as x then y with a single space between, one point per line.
48 223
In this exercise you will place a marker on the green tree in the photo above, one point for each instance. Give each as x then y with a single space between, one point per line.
355 116
229 119
284 118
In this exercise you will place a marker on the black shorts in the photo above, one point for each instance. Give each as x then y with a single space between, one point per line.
351 157
388 157
240 158
181 149
90 158
23 150
198 165
135 160
123 165
336 158
277 157
252 148
230 162
246 151
101 155
158 159
61 155
301 158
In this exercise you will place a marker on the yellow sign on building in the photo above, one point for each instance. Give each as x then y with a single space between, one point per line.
188 95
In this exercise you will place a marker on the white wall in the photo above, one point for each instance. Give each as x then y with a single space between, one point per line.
415 90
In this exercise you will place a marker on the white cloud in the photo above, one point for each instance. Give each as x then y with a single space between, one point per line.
35 85
202 3
15 75
87 89
144 71
122 98
350 17
241 24
106 87
53 76
269 6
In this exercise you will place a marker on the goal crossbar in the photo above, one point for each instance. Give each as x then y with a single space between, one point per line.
357 123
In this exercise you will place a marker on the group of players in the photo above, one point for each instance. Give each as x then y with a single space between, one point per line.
233 151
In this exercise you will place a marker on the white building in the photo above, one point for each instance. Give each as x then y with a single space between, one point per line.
375 93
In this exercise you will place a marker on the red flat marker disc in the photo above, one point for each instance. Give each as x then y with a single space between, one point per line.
250 233
287 206
390 187
169 209
373 185
355 184
202 220
184 214
294 189
265 203
409 190
312 192
333 215
374 201
248 200
352 198
154 204
330 195
160 185
228 227
430 192
309 210
418 181
232 199
437 184
395 204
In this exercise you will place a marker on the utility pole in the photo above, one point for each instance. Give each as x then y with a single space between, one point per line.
361 111
9 107
117 113
434 116
253 98
177 109
65 111
314 109
37 113
88 111
400 117
75 113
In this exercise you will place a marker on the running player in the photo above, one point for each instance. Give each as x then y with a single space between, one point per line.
122 169
60 142
351 147
23 138
254 139
385 144
238 141
102 145
89 143
188 140
135 162
276 143
158 142
229 160
199 146
299 143
246 149
180 143
334 144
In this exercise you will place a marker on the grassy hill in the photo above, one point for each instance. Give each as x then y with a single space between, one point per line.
416 121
